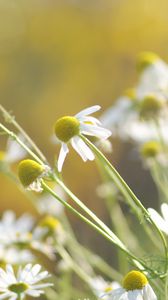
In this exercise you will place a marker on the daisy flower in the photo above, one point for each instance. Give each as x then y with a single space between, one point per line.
26 282
14 256
161 221
15 231
135 286
100 286
69 128
30 173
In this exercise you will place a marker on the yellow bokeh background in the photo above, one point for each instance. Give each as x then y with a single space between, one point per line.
58 57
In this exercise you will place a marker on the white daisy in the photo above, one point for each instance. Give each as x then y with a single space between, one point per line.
161 221
154 79
69 128
15 231
100 286
14 256
26 282
135 287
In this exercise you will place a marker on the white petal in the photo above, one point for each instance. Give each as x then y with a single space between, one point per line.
160 222
88 111
34 293
88 119
63 153
36 269
135 295
82 149
4 296
42 286
164 210
94 130
148 293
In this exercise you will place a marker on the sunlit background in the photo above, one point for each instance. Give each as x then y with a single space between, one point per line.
58 57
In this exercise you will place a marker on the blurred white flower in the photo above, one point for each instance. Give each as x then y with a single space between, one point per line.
135 287
100 286
154 79
161 221
69 128
46 204
25 283
15 231
14 256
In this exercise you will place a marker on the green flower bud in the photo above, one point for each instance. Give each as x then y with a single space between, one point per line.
28 171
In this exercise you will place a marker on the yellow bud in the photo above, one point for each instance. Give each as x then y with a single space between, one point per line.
66 128
50 222
134 280
146 59
28 171
130 93
150 107
150 149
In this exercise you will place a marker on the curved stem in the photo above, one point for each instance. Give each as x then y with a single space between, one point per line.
12 120
124 188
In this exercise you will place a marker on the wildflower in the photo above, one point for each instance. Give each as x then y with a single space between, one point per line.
100 286
135 286
25 283
161 221
154 78
150 149
15 231
146 59
150 107
14 152
69 128
13 255
30 173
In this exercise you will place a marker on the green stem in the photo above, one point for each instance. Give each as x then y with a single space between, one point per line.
16 138
125 189
136 261
12 120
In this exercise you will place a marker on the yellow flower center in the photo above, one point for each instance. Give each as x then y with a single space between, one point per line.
130 93
150 106
2 155
50 222
150 149
18 288
108 289
134 280
28 171
66 128
146 59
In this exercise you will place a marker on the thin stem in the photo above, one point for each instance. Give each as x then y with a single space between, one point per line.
136 261
16 138
125 188
12 120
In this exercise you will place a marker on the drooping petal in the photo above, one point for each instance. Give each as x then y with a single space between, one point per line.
63 153
89 119
94 130
160 222
88 111
148 293
82 149
164 210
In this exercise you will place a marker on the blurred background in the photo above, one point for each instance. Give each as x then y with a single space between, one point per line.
60 56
